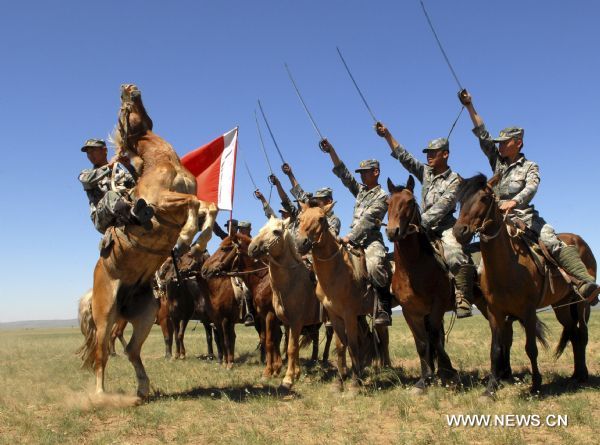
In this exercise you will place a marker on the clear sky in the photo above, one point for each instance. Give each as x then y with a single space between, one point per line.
202 65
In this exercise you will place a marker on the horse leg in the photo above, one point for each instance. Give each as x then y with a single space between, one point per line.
571 319
104 314
293 369
580 341
532 352
328 338
340 346
142 324
113 338
166 326
176 327
416 325
182 328
383 344
445 370
314 334
209 340
229 342
286 340
507 340
352 333
498 328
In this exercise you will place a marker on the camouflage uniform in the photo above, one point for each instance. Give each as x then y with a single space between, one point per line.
106 205
438 201
369 211
332 220
519 182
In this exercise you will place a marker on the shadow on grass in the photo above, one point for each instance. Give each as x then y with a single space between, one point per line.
559 385
241 394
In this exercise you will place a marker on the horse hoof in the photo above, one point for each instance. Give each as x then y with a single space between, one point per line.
337 387
229 366
286 384
416 391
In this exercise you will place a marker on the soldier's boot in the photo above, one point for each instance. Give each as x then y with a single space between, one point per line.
464 279
142 212
568 258
249 317
139 214
383 306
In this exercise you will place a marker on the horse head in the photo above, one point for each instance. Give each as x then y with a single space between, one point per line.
478 207
312 225
270 239
133 120
404 217
231 255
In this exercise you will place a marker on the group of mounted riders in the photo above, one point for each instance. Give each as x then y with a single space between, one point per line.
108 186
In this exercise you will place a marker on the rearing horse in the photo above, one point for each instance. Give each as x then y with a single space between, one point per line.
513 287
342 288
122 277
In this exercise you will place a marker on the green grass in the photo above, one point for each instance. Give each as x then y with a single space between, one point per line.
44 395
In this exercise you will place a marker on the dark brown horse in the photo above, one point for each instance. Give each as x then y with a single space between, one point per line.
420 283
513 287
188 298
231 258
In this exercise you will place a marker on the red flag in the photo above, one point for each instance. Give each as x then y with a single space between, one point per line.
213 165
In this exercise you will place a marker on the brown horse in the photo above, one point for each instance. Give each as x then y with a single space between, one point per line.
231 258
343 291
294 298
513 287
122 277
420 284
188 299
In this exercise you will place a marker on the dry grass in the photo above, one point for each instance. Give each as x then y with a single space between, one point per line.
45 397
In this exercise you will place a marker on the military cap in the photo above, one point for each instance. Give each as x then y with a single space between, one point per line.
367 164
324 192
510 133
282 211
437 144
244 224
93 143
234 223
307 196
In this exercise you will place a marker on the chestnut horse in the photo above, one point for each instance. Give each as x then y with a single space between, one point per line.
122 276
343 291
294 298
231 258
420 283
513 287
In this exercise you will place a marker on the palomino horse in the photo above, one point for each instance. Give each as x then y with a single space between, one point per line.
342 289
420 284
513 287
188 298
231 258
294 298
122 277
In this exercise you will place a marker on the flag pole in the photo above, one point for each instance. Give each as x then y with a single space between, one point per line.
237 135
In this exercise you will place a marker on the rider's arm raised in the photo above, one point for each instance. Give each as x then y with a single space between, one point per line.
408 161
339 168
485 140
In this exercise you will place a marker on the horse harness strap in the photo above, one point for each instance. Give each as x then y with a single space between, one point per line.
330 257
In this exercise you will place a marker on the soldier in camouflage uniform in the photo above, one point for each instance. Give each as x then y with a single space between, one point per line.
108 206
518 184
438 202
323 196
365 231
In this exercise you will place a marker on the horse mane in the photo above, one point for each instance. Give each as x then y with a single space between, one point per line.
470 186
313 202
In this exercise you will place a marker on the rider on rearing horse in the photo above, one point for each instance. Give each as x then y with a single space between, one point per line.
518 183
440 186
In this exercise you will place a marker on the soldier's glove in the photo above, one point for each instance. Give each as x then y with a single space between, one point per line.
324 145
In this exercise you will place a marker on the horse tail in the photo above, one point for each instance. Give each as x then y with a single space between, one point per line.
541 330
88 329
565 337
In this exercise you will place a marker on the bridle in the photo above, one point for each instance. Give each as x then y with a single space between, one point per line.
488 220
414 223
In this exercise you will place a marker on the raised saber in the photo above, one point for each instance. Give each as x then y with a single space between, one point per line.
356 85
314 124
250 174
440 45
270 132
262 143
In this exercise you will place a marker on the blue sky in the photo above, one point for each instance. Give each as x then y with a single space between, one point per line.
202 65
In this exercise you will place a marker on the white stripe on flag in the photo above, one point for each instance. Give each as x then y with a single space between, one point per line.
225 200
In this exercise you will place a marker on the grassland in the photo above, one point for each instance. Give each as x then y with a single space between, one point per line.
44 395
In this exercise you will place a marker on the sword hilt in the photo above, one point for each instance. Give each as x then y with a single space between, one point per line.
324 145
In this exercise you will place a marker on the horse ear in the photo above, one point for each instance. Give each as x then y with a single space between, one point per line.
391 186
410 184
286 222
494 181
328 207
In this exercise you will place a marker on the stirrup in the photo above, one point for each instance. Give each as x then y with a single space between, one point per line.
382 319
249 320
462 312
